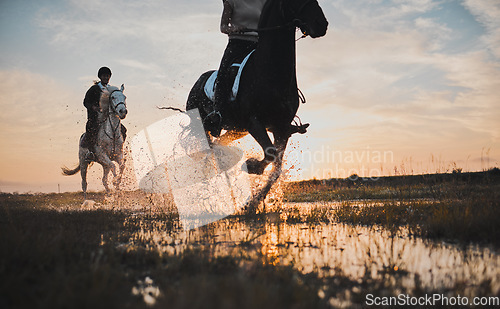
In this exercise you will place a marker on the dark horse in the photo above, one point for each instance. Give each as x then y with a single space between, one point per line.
268 99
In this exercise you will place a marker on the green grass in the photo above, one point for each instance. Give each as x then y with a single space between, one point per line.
432 186
56 254
458 221
73 259
455 207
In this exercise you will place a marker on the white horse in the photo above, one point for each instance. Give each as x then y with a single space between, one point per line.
109 145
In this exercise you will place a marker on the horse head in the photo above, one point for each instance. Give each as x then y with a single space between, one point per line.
306 15
117 101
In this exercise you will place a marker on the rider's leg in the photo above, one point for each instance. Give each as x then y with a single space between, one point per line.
84 142
221 91
90 129
235 50
90 138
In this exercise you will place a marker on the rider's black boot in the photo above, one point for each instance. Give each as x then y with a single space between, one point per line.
89 142
222 93
90 138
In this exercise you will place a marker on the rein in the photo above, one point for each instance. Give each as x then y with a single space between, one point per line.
111 105
112 109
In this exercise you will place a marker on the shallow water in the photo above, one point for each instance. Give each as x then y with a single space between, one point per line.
360 253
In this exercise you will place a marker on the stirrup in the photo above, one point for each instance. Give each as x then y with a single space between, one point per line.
211 117
214 120
90 156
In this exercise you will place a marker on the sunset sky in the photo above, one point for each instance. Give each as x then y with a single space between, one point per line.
395 86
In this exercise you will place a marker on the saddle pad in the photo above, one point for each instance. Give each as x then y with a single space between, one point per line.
210 84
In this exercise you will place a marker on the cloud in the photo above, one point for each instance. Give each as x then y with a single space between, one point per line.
487 12
380 15
34 104
437 33
154 24
400 74
388 76
135 64
164 41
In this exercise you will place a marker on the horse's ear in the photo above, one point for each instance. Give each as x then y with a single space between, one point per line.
122 88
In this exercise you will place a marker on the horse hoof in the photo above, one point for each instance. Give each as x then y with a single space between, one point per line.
255 166
301 129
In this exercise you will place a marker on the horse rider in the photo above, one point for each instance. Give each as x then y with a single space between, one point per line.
237 17
91 102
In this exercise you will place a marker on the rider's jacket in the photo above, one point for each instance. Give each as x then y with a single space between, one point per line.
92 98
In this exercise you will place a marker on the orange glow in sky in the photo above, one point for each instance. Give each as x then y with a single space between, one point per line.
394 87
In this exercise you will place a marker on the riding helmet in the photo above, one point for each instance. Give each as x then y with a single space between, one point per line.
102 71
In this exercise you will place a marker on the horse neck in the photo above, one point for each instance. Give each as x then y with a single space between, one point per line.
109 119
277 46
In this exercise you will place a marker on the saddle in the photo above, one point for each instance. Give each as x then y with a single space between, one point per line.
234 74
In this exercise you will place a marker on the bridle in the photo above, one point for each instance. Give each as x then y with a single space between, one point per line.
295 23
112 108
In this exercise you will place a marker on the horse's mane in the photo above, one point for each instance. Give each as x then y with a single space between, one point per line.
104 100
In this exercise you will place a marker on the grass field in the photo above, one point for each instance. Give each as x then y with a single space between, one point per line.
58 254
457 206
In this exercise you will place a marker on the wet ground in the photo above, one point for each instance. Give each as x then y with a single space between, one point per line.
360 253
129 250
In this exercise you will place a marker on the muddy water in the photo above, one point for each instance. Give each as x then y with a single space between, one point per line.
331 249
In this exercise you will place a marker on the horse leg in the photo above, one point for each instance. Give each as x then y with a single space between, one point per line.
280 140
118 178
107 166
83 172
231 136
105 172
259 133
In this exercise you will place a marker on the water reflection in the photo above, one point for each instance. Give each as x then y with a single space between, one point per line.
360 253
270 242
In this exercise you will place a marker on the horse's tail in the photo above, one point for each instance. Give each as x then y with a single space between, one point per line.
67 172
